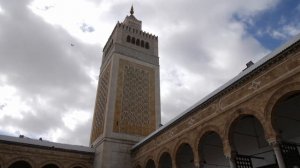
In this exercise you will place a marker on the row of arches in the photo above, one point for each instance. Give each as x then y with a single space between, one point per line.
247 140
23 163
138 42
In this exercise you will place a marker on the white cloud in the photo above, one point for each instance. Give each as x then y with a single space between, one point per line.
201 47
71 16
73 117
1 10
285 31
278 34
11 104
292 29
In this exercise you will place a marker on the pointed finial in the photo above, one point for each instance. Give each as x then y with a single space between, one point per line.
131 10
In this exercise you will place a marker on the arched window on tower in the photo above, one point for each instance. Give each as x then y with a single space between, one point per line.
137 42
142 43
133 40
128 38
147 45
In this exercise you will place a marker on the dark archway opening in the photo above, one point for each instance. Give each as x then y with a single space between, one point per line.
165 161
142 43
133 40
20 164
138 166
150 164
185 157
210 150
286 121
50 166
248 140
128 38
147 46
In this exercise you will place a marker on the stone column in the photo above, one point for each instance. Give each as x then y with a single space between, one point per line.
232 159
278 154
232 163
196 158
196 164
174 163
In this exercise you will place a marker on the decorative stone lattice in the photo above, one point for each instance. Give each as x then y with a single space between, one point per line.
135 104
135 113
100 107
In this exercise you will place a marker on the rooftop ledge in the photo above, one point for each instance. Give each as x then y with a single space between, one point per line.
22 140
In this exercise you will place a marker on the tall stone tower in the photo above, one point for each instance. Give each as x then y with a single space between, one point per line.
127 104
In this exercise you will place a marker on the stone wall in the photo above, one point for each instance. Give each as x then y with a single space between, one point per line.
39 156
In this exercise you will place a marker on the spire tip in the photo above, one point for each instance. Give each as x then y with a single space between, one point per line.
131 10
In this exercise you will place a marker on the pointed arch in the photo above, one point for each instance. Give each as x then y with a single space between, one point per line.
137 166
210 148
237 115
165 160
280 94
185 156
51 164
150 164
178 144
20 164
145 161
277 97
78 165
25 159
163 150
206 130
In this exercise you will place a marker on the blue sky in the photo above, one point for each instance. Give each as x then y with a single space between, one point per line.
276 19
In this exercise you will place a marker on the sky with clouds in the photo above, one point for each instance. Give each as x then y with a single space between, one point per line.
50 54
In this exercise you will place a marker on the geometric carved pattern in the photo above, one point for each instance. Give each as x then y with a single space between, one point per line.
135 112
135 104
100 104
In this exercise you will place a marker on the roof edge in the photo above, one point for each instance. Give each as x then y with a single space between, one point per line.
45 144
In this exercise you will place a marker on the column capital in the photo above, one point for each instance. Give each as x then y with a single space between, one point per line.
274 141
231 155
197 164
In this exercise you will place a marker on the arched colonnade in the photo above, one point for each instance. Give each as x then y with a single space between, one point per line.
250 138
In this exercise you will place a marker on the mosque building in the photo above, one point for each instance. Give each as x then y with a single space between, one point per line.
253 120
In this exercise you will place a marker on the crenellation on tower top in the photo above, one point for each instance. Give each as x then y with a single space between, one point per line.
136 31
125 38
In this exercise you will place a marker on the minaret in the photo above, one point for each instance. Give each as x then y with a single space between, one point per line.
127 104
